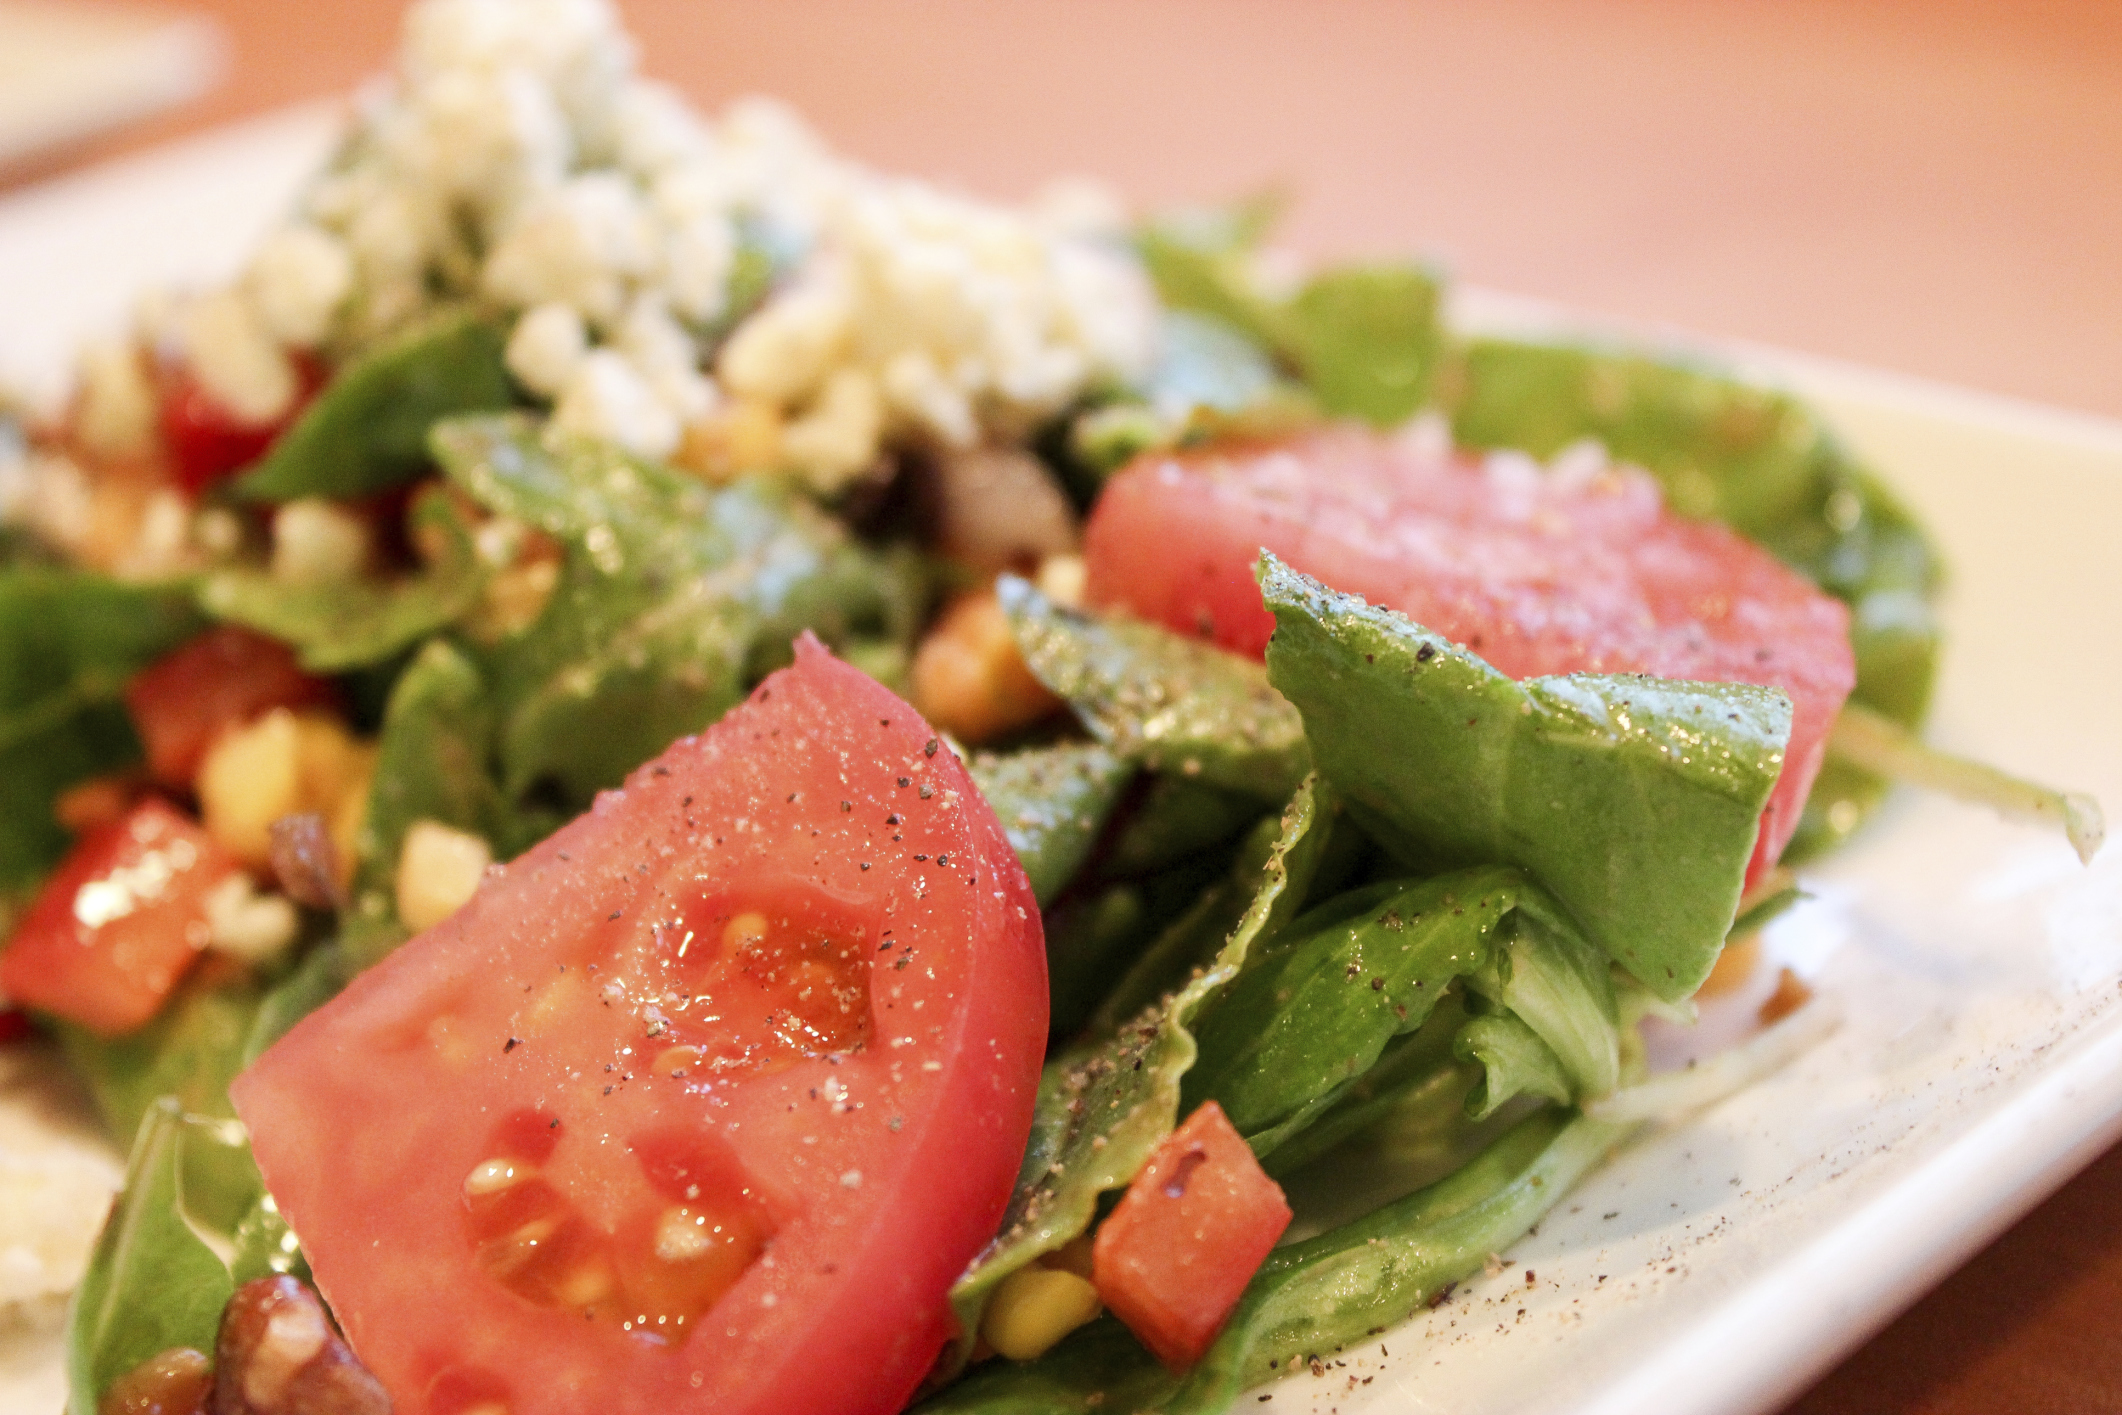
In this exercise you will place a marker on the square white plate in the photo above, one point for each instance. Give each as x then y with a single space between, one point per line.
1717 1266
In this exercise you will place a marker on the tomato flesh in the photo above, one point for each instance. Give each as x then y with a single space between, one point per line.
224 678
119 923
207 442
1537 573
700 1105
1195 1224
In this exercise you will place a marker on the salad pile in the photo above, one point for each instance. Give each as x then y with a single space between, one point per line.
652 770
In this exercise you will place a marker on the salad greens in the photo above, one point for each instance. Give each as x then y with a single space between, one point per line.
69 642
1349 895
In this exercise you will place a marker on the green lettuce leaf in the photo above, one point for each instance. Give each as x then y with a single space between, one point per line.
1052 802
1170 703
69 643
339 626
672 600
367 431
1104 1106
1446 761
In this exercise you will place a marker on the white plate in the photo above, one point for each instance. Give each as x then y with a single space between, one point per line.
1720 1265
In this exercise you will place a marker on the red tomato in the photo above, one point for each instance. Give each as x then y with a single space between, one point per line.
1536 574
119 923
226 677
206 442
699 1106
1175 1254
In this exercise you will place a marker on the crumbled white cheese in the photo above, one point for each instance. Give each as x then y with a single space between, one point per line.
246 924
116 414
583 242
298 280
319 542
607 397
547 344
235 358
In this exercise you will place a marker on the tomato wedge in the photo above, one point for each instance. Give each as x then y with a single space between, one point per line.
699 1106
119 923
1195 1224
1537 573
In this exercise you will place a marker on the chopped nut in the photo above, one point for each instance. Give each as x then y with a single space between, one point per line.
306 862
175 1382
278 1355
745 436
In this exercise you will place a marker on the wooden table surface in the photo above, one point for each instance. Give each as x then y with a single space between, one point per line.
1934 188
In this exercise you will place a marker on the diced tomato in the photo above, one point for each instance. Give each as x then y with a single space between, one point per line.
1193 1227
1538 574
224 678
119 923
699 1106
207 442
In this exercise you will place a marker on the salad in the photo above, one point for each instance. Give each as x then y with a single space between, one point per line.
501 698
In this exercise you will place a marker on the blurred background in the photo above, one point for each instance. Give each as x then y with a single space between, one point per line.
1929 187
1933 188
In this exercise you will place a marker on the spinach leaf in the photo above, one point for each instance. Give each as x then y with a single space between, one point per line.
1104 1106
346 625
432 763
1052 802
368 430
153 1281
672 598
191 1051
1759 461
1170 703
1174 817
69 641
1446 761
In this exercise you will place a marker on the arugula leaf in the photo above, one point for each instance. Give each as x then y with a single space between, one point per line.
339 626
1446 761
1759 461
190 1051
367 431
153 1281
1103 1106
673 596
1170 703
432 763
69 642
1366 339
1052 802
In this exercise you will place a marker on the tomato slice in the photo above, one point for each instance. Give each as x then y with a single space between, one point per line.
119 923
700 1105
1193 1227
224 678
1538 574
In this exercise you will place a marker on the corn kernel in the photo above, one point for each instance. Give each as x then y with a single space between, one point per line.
282 764
1034 1308
438 870
743 437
